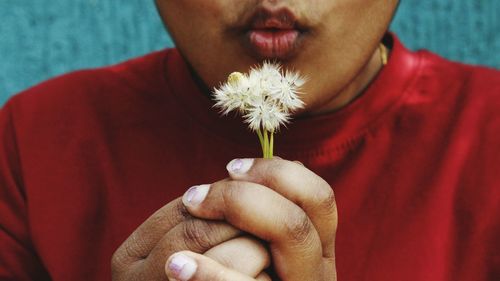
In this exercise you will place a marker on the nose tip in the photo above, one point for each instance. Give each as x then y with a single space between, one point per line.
271 3
275 5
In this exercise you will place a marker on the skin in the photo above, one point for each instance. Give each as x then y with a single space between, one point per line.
339 49
300 230
299 234
144 254
339 53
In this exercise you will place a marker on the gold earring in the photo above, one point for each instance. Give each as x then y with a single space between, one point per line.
383 53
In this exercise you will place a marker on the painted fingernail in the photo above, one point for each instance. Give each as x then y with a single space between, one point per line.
239 166
181 267
195 195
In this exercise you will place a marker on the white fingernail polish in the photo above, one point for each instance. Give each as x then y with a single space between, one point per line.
182 266
240 166
195 195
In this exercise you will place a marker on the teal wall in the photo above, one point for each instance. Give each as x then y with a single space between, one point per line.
43 38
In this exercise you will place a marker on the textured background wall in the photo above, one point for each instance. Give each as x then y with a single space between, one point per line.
43 38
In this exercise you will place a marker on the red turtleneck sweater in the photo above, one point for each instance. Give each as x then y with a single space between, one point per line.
414 162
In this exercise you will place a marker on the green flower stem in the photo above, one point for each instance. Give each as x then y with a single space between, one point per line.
271 144
261 139
266 144
266 140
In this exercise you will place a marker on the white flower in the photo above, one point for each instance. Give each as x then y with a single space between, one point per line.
286 94
265 97
269 74
267 116
233 95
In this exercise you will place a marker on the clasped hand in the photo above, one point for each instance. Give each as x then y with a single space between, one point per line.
266 210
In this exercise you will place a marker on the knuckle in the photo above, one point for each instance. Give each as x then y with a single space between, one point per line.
121 266
231 193
131 250
117 261
325 197
177 213
198 235
136 247
298 227
232 186
276 166
274 171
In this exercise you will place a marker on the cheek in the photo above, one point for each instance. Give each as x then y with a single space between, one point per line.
190 19
341 21
328 12
196 10
206 18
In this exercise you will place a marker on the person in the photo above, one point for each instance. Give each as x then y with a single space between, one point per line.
390 172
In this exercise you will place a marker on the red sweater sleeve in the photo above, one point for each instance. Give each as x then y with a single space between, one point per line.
18 259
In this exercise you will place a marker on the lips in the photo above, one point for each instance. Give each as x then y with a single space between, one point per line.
278 44
273 34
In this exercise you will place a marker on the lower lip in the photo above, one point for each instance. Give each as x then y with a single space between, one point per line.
278 44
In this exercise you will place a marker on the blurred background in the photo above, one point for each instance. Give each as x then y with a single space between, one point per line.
42 39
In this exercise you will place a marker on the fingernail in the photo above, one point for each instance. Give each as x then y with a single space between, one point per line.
195 195
182 267
239 166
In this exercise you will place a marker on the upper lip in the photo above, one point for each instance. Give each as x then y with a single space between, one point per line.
281 19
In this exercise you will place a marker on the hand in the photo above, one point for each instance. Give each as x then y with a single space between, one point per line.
278 201
171 229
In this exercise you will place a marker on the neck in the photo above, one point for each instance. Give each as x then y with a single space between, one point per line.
357 86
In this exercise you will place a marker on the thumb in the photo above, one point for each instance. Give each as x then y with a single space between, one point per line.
189 266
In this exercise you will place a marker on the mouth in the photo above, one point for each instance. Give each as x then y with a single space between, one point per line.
273 34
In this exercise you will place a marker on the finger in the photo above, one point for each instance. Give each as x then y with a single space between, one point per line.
298 162
258 210
243 254
298 184
193 234
140 243
189 266
263 277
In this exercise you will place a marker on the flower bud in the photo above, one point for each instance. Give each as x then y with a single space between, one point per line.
234 78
